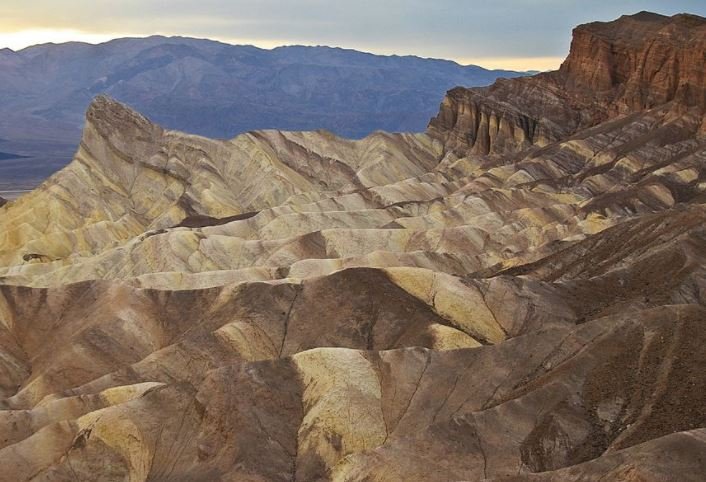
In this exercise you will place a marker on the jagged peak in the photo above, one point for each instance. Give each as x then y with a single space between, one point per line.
106 112
109 122
645 16
116 132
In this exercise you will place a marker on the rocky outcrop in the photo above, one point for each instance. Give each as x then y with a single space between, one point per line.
614 69
471 122
509 117
639 61
2 201
517 295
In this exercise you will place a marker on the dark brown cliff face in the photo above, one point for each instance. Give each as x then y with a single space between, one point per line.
506 117
639 62
3 201
616 68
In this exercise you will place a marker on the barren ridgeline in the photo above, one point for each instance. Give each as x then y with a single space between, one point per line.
212 89
516 294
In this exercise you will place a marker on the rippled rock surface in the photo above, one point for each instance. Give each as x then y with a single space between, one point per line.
517 294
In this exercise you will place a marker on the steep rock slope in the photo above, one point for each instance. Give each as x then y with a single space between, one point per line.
519 294
613 69
652 61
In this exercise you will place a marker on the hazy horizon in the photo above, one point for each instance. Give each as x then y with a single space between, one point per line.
270 48
494 36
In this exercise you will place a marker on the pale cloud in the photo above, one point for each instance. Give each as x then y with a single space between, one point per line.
24 38
515 63
502 33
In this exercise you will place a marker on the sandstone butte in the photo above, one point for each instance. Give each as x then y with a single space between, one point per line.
518 294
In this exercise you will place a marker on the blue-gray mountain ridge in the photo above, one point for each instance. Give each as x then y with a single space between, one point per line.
212 89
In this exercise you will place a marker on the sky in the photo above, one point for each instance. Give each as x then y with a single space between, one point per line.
511 34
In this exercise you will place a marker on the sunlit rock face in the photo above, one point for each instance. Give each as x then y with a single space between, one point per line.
518 294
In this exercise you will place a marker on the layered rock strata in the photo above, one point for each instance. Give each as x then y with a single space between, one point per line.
518 294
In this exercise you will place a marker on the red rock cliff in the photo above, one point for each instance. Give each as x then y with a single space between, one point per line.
614 68
639 61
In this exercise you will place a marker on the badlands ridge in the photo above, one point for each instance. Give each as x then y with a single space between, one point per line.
517 294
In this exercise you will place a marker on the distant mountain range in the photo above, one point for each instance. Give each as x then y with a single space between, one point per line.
213 89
